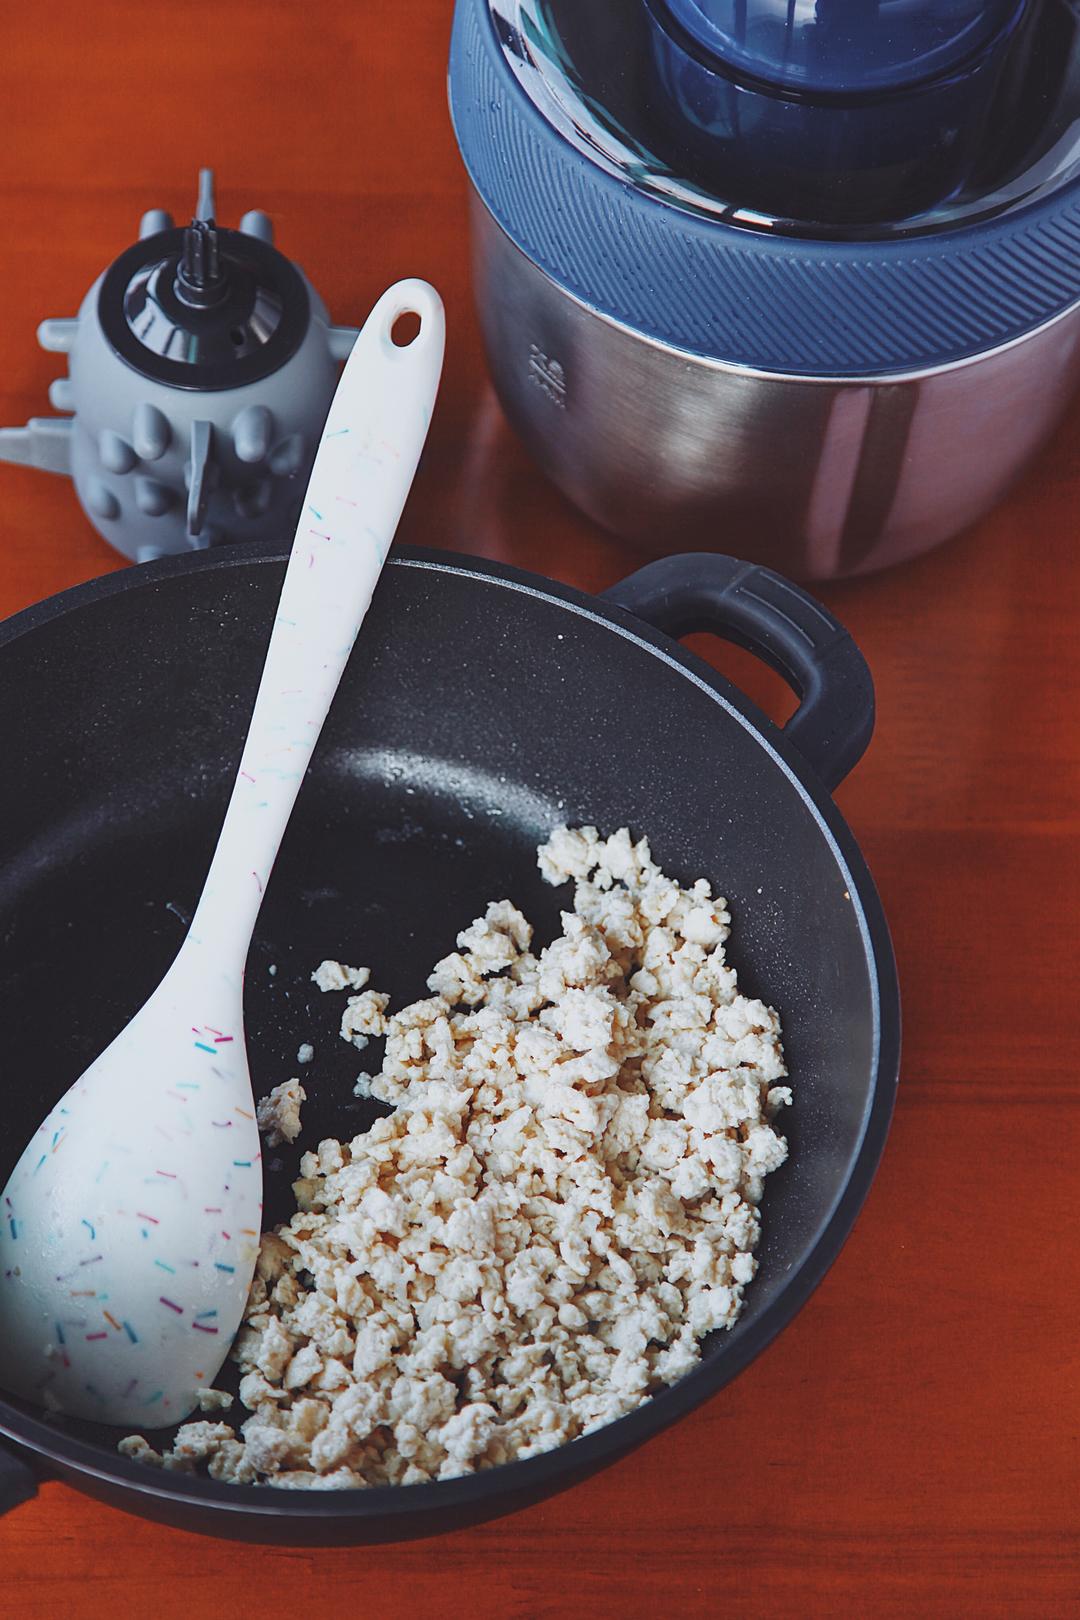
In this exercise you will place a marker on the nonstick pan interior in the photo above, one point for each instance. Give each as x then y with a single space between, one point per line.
475 715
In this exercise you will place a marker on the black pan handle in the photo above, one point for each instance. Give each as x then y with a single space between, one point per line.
18 1482
781 623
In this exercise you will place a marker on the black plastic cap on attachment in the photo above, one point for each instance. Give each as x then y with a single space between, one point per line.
204 307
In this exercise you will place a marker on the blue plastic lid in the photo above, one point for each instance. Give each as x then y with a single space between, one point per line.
900 138
595 213
842 46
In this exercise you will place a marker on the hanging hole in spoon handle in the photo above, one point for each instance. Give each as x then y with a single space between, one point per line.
406 329
409 307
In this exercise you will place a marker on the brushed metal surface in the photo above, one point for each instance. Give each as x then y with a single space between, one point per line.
819 478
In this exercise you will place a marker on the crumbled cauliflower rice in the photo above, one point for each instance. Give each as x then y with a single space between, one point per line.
278 1113
336 976
561 1206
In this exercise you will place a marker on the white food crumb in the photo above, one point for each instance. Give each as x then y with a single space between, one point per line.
305 1052
363 1017
214 1400
139 1449
331 975
561 1206
278 1113
272 969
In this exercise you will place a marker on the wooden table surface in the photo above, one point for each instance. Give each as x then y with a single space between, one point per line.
909 1446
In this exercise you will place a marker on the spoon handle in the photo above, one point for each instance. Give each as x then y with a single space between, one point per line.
364 467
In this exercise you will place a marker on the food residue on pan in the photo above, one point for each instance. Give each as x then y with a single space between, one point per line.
561 1206
278 1113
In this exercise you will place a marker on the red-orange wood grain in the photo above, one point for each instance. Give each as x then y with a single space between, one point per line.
910 1445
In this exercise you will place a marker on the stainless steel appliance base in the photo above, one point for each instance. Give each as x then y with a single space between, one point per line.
817 477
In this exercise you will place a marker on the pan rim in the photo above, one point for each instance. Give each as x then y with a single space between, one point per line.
496 1491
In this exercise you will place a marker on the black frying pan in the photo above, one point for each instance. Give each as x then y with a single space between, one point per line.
482 706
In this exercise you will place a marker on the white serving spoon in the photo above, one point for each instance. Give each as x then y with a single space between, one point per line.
130 1227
